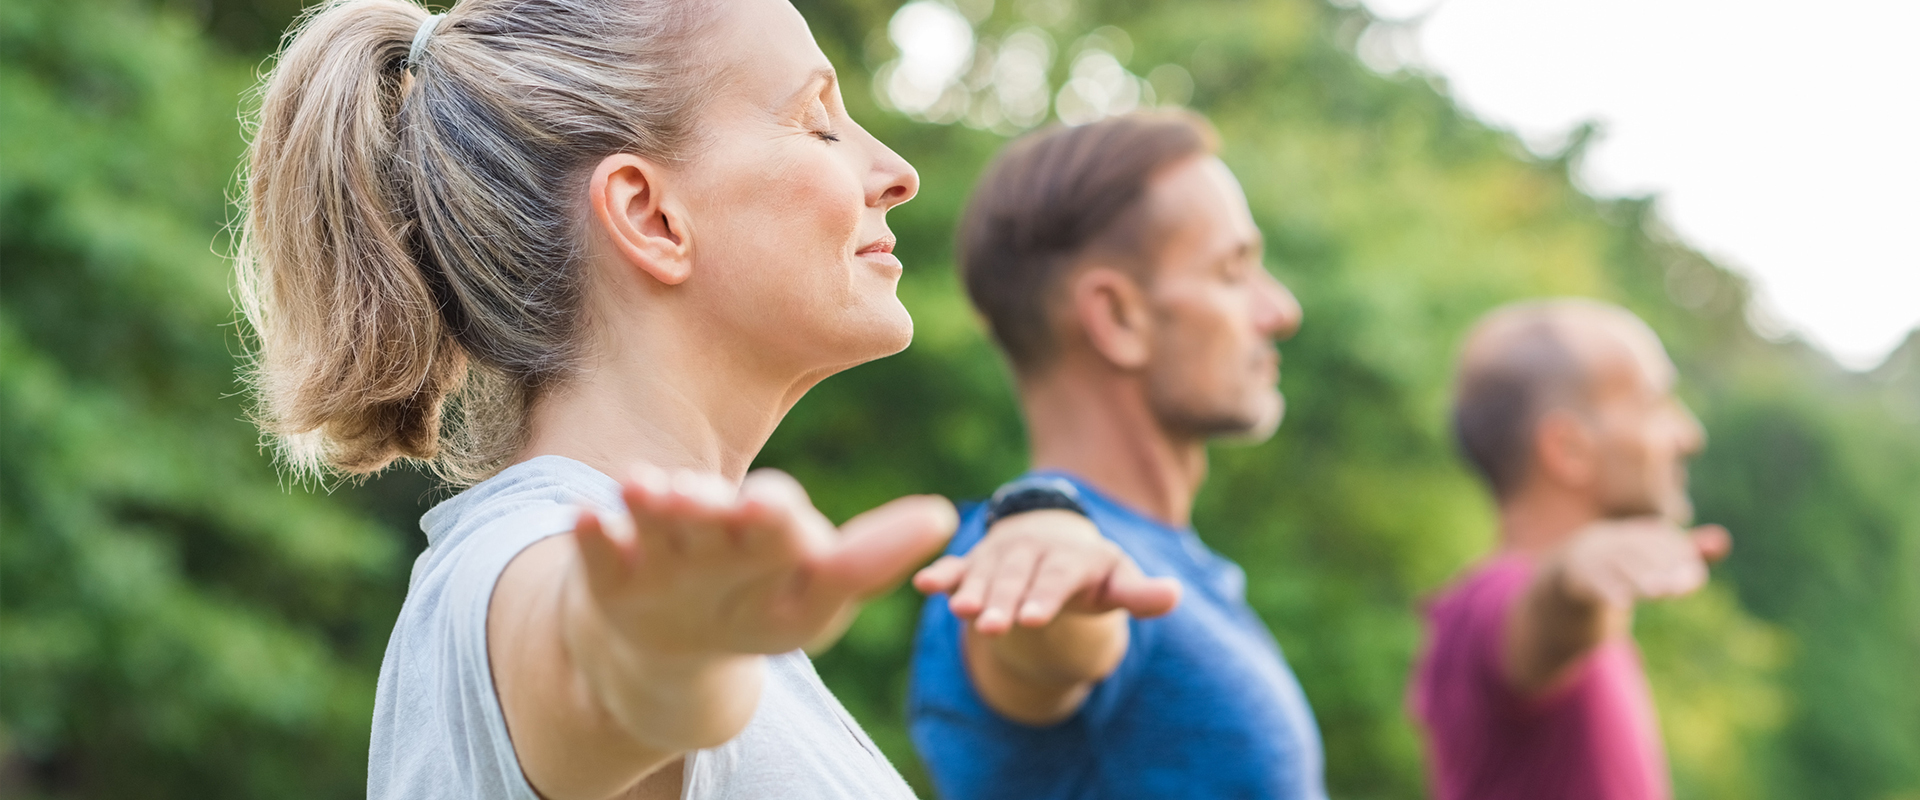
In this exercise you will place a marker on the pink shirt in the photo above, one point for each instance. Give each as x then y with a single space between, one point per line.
1592 738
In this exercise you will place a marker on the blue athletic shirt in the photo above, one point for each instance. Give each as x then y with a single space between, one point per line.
1202 705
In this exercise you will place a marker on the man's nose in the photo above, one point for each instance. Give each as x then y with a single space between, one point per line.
1277 312
1693 435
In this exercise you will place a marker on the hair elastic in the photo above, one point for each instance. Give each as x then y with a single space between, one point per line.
420 38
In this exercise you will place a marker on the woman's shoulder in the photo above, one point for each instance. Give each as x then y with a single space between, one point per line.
438 730
472 536
531 486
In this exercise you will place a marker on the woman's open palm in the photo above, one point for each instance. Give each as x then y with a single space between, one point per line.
700 568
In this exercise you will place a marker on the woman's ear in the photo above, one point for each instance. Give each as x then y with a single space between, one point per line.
1112 309
630 208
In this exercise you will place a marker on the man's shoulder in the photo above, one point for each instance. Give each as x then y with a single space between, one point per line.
1494 579
1467 619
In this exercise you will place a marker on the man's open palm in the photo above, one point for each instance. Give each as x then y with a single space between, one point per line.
1032 567
1617 563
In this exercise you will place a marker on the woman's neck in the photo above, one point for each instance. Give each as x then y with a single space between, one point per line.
694 407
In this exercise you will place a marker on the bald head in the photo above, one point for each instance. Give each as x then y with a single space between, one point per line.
1526 360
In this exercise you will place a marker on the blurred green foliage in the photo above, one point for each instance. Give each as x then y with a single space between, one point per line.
177 620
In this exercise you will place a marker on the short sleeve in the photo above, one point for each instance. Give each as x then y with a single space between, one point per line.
1109 695
1489 604
438 679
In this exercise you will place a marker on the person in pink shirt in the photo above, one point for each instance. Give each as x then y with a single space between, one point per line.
1530 686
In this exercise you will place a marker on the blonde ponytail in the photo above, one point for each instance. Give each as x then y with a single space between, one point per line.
409 258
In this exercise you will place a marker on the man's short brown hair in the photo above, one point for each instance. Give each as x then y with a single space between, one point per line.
1055 196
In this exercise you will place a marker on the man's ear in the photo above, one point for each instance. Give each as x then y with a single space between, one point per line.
630 208
1111 308
1565 450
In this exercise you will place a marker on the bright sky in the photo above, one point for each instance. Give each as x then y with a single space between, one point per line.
1783 138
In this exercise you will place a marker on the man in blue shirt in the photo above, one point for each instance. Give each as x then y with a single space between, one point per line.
1082 641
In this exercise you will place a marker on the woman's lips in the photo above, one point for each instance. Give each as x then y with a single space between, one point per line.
881 252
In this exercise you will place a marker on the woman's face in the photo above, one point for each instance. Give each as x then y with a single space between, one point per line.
787 202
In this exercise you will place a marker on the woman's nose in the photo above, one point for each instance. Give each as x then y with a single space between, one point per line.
892 181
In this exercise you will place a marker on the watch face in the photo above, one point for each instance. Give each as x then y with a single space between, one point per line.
1038 482
1034 494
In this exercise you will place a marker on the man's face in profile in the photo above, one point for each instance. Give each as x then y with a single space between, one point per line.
1645 433
1217 312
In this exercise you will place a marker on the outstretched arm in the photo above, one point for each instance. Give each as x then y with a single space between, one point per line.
638 639
1045 599
1585 592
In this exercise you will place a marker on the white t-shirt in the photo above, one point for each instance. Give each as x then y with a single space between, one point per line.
438 731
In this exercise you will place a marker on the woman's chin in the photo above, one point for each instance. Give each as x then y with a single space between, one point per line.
887 330
893 328
870 333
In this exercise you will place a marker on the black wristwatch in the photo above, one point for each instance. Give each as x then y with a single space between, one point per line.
1034 493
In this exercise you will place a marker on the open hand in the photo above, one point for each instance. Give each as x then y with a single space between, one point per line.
699 568
1616 563
1585 592
1031 567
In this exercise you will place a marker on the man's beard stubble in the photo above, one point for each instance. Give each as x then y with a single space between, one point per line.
1636 496
1186 416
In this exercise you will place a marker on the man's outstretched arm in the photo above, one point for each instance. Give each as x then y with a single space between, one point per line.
1585 591
1045 601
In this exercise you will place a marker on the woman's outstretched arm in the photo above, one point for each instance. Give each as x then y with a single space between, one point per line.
633 641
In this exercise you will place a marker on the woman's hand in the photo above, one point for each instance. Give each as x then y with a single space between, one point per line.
641 636
701 569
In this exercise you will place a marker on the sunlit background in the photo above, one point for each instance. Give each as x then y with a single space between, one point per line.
1780 137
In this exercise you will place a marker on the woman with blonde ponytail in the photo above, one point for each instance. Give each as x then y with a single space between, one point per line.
580 257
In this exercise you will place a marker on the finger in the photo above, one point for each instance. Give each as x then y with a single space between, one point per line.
706 506
1686 567
1674 570
1612 583
941 576
1008 584
1057 579
1677 582
607 560
647 493
1644 563
779 478
778 522
967 601
1688 575
1712 541
1141 595
878 547
699 497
